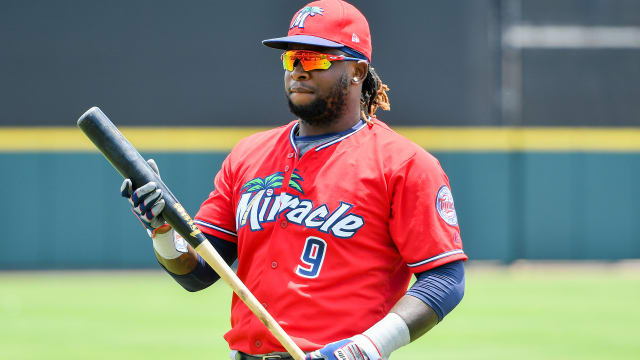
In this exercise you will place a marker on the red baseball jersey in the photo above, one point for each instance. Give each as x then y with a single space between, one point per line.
327 241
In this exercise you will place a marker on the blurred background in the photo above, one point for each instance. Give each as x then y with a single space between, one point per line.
531 106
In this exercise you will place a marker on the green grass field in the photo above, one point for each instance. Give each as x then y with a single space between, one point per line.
507 313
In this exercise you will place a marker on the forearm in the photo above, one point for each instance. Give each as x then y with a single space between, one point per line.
181 265
409 319
418 316
433 296
177 258
182 262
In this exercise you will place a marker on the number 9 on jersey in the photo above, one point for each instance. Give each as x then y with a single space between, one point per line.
312 257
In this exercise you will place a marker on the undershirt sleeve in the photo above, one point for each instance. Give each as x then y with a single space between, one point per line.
441 288
203 275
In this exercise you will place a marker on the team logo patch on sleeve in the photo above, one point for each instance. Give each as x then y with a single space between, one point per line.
445 207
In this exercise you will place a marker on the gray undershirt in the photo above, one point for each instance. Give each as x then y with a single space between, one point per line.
306 145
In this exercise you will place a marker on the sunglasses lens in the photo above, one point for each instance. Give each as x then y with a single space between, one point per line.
310 60
288 59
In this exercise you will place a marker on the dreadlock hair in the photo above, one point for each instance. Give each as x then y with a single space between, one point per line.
374 95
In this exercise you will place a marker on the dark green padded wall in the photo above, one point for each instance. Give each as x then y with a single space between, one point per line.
65 211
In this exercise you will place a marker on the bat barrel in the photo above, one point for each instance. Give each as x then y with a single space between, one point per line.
115 147
130 164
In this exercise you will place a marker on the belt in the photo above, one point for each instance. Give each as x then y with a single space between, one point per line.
272 356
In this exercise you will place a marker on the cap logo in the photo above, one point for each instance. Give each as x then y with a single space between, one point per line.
304 14
355 38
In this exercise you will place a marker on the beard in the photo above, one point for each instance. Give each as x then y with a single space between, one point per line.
323 112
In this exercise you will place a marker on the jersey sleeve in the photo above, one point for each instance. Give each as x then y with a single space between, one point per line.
216 215
424 224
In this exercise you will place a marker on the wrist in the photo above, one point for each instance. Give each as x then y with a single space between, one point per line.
388 334
161 230
167 243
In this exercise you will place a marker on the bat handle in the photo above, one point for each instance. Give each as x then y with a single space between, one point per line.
211 256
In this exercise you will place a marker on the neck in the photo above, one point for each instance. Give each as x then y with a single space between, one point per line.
346 121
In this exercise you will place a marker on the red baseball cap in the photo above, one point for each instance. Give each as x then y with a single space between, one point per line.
328 23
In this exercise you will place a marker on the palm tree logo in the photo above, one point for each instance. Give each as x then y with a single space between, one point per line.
267 185
304 14
273 181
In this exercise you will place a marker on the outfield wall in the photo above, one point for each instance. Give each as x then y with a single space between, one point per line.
520 193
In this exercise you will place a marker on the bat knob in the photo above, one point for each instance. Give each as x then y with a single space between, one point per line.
91 113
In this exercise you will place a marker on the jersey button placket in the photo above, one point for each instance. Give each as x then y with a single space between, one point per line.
289 164
287 176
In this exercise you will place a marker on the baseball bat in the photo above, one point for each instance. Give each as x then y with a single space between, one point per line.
130 164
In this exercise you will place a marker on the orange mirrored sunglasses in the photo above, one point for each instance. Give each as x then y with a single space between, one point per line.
311 60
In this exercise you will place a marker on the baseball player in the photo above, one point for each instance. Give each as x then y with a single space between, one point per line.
328 215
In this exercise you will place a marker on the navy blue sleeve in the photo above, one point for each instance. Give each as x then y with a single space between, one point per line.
203 275
441 288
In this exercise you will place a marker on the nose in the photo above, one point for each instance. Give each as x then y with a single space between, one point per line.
298 73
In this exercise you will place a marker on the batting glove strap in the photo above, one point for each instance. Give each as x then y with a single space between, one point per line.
168 243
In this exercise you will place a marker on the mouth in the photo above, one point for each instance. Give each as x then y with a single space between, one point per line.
300 90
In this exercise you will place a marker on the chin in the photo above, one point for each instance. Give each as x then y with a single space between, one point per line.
302 99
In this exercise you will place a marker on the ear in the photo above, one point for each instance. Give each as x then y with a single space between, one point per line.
359 72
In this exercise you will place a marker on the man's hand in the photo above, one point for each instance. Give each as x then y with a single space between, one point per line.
147 201
358 347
